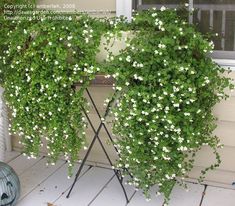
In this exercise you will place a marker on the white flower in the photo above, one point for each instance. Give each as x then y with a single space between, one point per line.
154 14
18 47
128 59
127 165
186 114
176 105
119 88
50 43
156 52
163 8
140 78
165 149
163 46
69 37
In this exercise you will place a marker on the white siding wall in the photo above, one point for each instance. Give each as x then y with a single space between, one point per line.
225 174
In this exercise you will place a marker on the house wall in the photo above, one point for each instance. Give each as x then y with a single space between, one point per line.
225 174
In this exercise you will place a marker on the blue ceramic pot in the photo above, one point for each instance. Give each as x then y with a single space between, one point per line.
9 185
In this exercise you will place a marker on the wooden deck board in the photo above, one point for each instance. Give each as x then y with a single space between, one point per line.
21 164
113 194
179 197
47 192
41 184
36 175
11 155
87 187
215 196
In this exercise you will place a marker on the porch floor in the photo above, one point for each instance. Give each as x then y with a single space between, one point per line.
48 185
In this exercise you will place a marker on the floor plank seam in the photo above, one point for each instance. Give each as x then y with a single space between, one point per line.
211 185
131 197
66 190
101 190
203 195
31 166
13 158
21 198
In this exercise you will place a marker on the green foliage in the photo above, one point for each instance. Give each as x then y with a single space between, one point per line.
165 89
43 62
168 86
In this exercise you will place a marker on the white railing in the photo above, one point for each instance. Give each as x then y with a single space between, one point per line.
202 7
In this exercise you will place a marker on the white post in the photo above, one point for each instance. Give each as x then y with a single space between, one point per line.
190 10
5 141
124 8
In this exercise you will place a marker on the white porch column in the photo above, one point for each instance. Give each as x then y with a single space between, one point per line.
5 141
124 8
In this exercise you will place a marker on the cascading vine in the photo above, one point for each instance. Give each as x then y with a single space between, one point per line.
47 59
165 88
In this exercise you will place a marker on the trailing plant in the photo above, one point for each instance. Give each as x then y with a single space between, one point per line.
44 61
165 88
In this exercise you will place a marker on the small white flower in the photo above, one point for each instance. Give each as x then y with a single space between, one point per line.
176 105
163 8
186 114
154 14
119 88
128 59
69 37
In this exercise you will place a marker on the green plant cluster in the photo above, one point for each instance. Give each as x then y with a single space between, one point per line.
41 66
165 88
